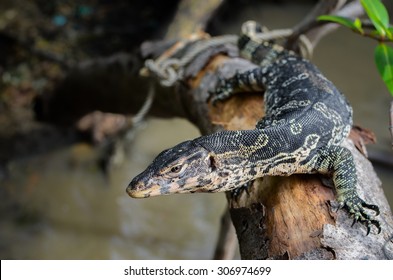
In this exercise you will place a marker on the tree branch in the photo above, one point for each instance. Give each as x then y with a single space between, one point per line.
191 17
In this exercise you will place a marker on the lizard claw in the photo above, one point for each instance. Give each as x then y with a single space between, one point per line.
356 207
354 222
375 208
369 223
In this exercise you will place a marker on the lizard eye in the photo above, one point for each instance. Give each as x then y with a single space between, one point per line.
176 169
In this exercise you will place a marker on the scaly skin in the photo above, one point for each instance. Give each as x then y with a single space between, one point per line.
306 120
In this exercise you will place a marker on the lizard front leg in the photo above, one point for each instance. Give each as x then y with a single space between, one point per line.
339 162
249 81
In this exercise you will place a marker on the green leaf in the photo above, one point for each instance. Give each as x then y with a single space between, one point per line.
341 20
389 33
384 60
378 14
358 25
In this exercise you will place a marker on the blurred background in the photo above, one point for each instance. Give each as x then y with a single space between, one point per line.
62 186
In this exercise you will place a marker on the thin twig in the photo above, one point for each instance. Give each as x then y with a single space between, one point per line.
316 33
309 22
375 37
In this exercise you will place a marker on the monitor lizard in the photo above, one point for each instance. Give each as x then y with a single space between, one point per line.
306 121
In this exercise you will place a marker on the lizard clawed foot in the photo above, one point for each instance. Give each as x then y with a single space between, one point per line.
356 207
223 91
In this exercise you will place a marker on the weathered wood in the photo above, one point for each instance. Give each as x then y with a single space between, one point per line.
295 211
191 16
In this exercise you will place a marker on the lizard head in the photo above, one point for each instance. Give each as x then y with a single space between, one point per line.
188 167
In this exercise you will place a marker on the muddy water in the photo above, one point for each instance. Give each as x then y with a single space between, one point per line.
65 208
70 210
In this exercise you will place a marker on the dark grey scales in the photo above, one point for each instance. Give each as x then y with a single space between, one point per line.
306 120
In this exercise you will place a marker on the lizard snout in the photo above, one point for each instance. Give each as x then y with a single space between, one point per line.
134 189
